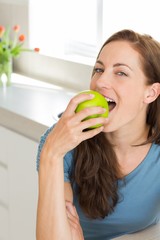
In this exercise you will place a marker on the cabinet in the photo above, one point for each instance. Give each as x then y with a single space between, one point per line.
18 186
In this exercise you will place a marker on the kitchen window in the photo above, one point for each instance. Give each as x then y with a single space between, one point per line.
66 28
72 28
70 33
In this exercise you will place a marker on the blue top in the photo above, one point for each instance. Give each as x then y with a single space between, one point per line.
139 198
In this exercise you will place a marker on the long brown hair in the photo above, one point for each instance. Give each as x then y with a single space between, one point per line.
96 168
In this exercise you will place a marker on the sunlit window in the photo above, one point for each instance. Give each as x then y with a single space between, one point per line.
74 28
65 27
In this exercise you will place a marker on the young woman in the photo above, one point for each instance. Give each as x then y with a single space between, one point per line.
103 183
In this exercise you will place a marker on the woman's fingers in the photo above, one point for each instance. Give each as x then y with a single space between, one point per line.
73 119
73 219
70 208
69 130
89 112
72 214
79 119
75 101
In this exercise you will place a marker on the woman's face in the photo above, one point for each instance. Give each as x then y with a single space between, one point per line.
119 77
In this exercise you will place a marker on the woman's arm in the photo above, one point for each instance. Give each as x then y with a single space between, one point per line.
52 218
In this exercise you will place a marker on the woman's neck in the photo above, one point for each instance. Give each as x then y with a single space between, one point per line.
125 138
124 143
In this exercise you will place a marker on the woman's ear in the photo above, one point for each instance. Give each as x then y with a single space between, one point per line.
152 93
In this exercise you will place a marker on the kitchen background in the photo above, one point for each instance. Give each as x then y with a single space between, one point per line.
42 85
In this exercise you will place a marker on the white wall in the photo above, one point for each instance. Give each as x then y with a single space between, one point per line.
15 13
14 1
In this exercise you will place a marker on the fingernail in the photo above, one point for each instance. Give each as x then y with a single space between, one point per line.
101 128
104 110
91 95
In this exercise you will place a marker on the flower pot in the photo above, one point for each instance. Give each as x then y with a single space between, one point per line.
6 71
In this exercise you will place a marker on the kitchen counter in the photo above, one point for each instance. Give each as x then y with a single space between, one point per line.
30 106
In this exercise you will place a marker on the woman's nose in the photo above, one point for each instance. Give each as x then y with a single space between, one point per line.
104 81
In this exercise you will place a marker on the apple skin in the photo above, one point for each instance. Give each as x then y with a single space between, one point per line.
98 100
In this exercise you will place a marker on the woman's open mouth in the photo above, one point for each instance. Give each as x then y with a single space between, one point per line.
111 103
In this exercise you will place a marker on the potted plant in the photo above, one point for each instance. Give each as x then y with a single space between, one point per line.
9 49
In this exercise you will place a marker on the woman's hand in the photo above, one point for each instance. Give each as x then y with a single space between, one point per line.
73 218
68 132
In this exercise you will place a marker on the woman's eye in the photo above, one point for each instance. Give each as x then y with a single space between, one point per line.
121 74
98 70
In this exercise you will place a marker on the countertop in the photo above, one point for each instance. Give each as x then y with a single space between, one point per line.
30 106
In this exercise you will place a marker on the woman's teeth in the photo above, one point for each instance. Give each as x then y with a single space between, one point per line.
111 103
109 99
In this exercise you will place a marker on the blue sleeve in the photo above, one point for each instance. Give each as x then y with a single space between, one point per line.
40 146
68 166
68 158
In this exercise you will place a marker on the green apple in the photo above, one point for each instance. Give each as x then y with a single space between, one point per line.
98 100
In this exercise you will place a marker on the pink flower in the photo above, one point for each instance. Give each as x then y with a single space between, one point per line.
16 28
21 38
2 30
36 49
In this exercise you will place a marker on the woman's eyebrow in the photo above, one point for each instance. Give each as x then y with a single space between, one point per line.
100 62
115 65
122 64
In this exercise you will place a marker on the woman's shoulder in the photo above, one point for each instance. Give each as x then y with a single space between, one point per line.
154 153
155 148
153 157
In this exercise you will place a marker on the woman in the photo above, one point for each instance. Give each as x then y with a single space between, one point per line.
112 184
